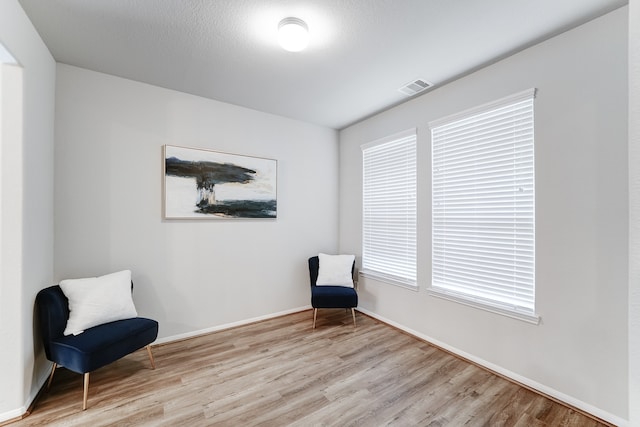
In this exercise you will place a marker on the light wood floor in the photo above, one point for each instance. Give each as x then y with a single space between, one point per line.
280 372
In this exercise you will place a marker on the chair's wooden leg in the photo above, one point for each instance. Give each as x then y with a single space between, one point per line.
86 391
53 371
153 364
315 313
353 312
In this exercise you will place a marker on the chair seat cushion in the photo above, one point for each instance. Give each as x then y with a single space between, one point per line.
333 297
103 344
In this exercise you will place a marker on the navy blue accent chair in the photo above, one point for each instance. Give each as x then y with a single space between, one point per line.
95 347
330 296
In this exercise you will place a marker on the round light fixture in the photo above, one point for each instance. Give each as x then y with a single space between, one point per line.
293 34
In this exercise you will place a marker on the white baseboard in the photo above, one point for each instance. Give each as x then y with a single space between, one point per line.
14 413
192 334
19 412
569 400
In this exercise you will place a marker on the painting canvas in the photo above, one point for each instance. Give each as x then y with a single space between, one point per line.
205 184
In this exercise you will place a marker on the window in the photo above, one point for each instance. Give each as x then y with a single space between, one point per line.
483 203
389 209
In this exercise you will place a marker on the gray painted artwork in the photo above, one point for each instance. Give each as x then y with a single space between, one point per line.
203 184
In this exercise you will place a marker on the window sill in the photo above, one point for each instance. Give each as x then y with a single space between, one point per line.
514 314
390 280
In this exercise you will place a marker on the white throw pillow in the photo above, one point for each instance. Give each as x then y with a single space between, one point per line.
335 270
97 300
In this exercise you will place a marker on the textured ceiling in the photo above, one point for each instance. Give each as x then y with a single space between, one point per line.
360 53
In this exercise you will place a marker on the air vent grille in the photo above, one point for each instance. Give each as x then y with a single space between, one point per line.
415 87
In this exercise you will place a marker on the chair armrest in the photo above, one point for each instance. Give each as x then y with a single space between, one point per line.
53 311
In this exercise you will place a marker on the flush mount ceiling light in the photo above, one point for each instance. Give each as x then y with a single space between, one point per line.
293 34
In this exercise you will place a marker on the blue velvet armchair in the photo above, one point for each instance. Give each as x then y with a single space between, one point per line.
330 296
95 347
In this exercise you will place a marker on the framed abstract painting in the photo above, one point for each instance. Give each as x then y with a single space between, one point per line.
206 184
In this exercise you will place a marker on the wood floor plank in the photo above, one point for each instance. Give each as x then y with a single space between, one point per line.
513 409
281 372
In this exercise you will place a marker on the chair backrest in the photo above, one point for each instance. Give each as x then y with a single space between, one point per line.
52 307
314 267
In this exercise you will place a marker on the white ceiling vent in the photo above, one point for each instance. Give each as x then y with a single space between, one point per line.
414 87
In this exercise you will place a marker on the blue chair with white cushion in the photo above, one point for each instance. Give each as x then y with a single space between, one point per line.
88 323
331 279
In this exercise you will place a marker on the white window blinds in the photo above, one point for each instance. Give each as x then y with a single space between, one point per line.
483 198
389 209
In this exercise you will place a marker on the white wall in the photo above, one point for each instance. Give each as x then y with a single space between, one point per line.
189 275
26 224
579 351
634 213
